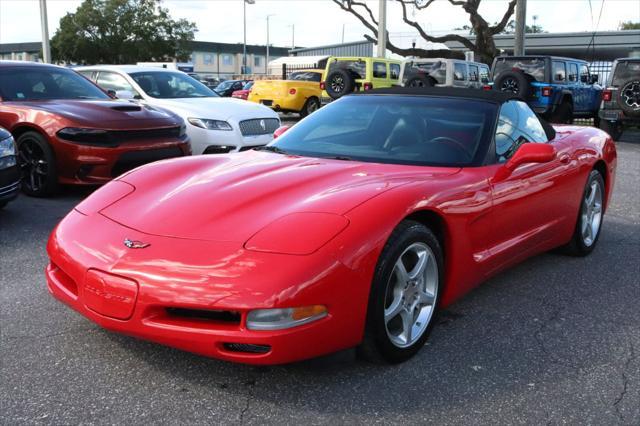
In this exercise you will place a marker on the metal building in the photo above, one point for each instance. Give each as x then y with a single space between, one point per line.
356 48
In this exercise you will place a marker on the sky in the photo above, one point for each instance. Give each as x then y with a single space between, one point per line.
320 22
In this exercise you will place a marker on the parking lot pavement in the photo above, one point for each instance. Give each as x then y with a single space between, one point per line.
554 340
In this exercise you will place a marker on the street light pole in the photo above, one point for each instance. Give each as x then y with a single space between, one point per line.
293 36
244 46
266 65
382 28
521 17
46 49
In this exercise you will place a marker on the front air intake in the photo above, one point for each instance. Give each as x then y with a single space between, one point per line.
247 348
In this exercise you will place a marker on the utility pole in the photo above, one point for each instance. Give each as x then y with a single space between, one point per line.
521 18
46 49
293 36
382 28
266 65
343 33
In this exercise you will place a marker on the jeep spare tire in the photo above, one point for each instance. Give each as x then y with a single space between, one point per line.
513 82
339 82
629 98
418 80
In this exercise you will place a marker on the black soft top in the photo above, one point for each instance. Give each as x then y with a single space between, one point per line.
444 92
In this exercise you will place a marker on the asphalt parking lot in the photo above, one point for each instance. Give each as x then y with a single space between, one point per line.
554 340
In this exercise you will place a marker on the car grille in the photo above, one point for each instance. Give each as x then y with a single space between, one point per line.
119 136
259 126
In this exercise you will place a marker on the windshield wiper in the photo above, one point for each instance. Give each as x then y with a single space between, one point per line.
338 157
271 148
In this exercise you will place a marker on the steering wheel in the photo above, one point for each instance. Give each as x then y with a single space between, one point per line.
452 143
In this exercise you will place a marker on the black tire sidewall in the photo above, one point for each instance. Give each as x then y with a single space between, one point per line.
614 129
349 83
524 85
51 183
623 105
425 80
376 338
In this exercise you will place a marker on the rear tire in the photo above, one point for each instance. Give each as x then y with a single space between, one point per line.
339 82
404 296
613 128
590 217
37 164
311 105
515 82
419 81
563 113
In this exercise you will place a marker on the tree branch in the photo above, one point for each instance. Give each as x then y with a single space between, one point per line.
449 37
420 53
498 28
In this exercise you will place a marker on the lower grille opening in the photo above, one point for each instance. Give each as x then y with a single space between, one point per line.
219 149
132 159
204 315
63 280
247 348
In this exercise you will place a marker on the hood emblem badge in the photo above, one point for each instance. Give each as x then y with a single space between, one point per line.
263 125
135 244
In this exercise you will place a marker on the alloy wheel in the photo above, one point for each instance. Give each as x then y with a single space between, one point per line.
33 165
509 85
631 94
337 84
411 294
591 213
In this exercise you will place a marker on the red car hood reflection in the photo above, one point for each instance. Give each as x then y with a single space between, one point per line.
230 198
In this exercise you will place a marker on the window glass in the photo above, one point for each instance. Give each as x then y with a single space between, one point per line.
396 129
306 76
88 74
584 73
357 68
28 83
484 74
257 61
573 72
625 71
113 81
379 70
473 73
169 85
535 67
517 124
435 69
227 59
395 71
459 71
208 59
559 71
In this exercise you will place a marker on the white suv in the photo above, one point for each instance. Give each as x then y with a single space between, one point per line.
215 125
444 72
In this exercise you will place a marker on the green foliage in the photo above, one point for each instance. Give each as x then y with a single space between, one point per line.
629 25
121 32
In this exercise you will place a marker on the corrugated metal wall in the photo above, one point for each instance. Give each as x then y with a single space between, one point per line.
364 48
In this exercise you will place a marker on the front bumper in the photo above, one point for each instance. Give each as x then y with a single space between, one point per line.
617 115
79 164
177 274
9 183
204 141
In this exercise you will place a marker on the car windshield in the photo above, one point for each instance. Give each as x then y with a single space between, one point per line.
248 86
531 66
306 76
171 85
413 130
626 71
44 83
224 85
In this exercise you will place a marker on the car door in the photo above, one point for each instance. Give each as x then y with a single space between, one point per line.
577 89
529 205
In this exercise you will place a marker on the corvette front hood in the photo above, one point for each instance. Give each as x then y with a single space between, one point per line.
231 197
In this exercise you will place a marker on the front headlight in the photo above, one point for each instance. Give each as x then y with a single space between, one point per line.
7 147
210 124
96 137
278 319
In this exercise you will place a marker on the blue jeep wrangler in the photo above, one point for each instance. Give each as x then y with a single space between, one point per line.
559 89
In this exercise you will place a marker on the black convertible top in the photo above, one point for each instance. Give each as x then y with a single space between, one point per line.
446 92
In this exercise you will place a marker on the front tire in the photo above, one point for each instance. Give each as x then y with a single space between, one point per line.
589 223
37 164
404 295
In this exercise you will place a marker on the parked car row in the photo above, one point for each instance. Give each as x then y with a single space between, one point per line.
69 129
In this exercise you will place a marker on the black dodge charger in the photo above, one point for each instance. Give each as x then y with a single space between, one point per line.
9 172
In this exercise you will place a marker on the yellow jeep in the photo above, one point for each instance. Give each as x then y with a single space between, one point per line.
348 74
300 93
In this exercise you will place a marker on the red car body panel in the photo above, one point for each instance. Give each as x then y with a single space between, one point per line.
47 117
241 94
224 234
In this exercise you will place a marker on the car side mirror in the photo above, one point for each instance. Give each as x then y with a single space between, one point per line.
124 94
280 131
112 94
594 78
527 153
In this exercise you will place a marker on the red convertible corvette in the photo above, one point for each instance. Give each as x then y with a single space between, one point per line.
352 229
69 131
